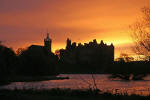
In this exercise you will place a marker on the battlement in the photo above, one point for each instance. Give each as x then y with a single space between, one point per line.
91 52
91 44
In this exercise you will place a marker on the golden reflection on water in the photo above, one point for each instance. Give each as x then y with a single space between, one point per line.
85 81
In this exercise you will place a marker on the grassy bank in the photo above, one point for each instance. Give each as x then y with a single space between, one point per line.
64 94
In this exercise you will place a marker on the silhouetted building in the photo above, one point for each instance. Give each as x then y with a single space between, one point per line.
47 42
89 53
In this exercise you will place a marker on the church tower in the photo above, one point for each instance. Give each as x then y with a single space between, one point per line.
47 42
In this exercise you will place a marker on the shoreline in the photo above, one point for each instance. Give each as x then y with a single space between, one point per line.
30 79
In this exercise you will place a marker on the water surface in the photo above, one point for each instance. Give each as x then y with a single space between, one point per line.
83 81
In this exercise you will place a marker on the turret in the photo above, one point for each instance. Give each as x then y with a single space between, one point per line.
47 42
68 46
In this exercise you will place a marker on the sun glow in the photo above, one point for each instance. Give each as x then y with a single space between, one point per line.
81 21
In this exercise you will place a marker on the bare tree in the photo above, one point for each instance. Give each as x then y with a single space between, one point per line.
140 32
92 85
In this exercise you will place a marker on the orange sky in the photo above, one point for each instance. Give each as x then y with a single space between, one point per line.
24 22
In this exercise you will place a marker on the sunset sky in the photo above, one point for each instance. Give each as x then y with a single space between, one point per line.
25 22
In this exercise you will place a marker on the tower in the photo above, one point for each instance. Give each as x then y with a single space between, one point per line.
47 42
68 44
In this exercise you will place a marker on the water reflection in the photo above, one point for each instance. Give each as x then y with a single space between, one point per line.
78 81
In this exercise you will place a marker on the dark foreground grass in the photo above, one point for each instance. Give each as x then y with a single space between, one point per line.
64 94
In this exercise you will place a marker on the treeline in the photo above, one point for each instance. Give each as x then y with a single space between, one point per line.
34 61
135 70
134 67
38 61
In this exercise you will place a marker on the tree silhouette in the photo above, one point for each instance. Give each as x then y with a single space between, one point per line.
140 32
126 68
7 63
37 61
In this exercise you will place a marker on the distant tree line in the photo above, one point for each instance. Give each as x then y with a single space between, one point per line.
32 61
135 70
